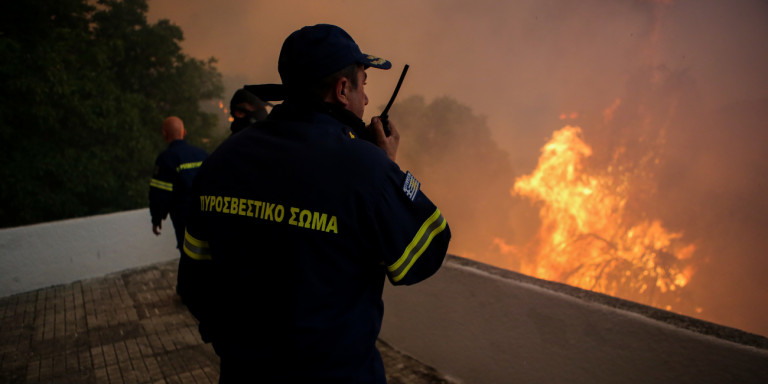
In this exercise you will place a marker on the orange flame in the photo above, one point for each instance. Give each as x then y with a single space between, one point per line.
586 237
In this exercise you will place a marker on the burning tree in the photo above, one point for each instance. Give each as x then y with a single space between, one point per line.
588 236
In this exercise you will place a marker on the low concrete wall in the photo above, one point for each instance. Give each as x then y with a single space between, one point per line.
42 255
481 324
473 322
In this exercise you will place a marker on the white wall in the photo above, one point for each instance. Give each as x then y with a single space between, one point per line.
482 327
42 255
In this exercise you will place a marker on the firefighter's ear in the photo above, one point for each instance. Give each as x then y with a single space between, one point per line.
341 91
339 94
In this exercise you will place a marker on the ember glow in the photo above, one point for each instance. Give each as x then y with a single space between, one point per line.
589 239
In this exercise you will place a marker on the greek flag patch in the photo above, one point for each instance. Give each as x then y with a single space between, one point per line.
411 186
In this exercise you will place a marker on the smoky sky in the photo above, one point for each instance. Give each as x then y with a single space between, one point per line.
690 73
520 63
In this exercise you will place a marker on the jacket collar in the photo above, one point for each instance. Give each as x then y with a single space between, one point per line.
303 110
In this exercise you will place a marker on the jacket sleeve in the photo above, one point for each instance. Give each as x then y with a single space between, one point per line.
197 273
412 232
161 190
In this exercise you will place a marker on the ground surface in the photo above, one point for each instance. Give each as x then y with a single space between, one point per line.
127 327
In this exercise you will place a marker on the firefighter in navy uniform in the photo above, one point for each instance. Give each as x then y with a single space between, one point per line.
297 222
245 108
170 186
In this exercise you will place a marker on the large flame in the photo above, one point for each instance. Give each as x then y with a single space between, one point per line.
588 238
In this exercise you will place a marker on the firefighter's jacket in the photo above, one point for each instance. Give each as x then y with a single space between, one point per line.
297 224
171 183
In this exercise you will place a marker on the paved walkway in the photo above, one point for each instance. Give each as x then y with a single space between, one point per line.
127 327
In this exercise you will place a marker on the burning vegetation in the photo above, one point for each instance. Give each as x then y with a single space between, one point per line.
594 228
588 236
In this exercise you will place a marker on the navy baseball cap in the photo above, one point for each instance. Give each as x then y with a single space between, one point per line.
314 52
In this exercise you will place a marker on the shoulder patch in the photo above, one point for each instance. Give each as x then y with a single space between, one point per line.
411 186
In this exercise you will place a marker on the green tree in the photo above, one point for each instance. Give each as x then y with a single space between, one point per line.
84 91
462 169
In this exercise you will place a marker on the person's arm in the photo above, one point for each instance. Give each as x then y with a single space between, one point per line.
197 276
410 230
160 192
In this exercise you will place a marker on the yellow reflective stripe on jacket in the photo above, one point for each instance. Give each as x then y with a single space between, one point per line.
434 225
196 249
188 166
161 184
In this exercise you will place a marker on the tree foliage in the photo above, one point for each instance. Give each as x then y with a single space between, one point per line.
85 87
462 169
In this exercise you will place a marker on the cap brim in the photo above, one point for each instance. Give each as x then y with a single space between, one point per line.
375 62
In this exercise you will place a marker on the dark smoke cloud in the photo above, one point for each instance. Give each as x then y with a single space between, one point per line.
690 74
